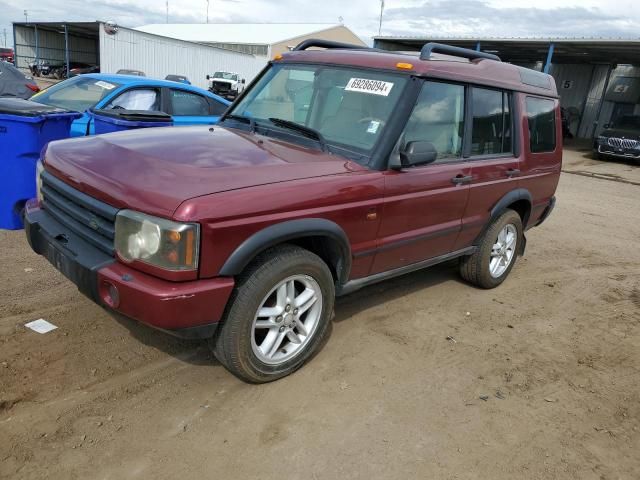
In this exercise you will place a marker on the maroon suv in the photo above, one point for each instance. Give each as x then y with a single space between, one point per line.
336 169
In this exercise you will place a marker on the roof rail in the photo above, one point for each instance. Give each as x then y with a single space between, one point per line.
432 47
316 42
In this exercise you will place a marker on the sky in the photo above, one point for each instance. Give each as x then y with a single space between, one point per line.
543 18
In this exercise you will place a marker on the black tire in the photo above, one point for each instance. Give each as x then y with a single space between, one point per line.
475 268
232 343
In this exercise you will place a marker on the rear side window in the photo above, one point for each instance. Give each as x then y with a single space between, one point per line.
217 108
188 104
438 118
491 132
542 124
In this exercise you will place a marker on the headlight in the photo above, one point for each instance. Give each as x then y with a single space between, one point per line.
602 139
156 241
39 170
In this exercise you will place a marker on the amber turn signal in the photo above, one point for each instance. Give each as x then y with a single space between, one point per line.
404 66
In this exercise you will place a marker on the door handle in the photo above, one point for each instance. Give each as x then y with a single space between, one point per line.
462 179
513 172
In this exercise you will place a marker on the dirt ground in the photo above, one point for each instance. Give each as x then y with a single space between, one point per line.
423 376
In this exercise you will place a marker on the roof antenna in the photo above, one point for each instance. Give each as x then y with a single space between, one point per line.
381 11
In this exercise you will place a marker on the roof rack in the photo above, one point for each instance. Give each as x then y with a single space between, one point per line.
316 42
433 47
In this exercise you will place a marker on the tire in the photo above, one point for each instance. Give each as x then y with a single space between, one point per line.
476 268
243 347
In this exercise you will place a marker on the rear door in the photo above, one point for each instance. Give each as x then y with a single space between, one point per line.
493 161
424 204
190 108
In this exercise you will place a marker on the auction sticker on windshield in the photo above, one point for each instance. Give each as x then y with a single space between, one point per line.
105 85
363 85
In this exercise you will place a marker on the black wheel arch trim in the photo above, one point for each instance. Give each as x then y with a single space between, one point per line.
502 204
287 231
510 198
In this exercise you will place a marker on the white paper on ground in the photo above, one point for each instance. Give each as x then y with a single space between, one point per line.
40 326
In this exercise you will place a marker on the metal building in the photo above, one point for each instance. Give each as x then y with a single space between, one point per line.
263 39
598 79
113 48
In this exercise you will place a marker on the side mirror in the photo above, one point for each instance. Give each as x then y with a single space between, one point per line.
418 153
243 81
208 77
607 125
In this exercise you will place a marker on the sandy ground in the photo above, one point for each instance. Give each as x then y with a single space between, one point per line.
539 380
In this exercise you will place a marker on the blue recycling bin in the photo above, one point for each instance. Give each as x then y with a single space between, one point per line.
118 120
25 128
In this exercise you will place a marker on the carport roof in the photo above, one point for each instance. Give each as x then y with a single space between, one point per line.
90 28
531 50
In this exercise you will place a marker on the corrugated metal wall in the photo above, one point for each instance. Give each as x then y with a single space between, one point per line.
160 56
51 47
573 84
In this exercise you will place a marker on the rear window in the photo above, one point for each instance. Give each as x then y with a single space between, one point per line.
542 124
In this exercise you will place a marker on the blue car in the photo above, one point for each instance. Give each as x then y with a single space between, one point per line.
188 105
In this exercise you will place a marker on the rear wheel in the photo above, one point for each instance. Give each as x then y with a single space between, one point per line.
497 251
278 316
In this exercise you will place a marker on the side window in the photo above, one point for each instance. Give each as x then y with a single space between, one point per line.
217 108
438 118
186 103
136 99
542 124
491 130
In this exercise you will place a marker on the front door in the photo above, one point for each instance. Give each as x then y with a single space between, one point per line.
424 204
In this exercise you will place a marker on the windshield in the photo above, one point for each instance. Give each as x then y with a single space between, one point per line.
348 107
78 93
225 75
629 121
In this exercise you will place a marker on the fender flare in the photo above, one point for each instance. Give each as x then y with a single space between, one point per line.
509 198
283 232
502 204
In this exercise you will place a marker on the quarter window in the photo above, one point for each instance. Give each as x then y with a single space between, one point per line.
438 118
542 124
137 99
188 104
491 130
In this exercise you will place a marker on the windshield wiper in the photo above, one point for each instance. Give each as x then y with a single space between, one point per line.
306 131
241 118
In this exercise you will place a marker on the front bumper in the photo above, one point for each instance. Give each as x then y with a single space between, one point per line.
618 152
186 309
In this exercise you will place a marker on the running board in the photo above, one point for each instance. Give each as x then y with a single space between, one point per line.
353 285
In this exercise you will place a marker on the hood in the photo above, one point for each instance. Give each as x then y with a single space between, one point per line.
154 170
629 133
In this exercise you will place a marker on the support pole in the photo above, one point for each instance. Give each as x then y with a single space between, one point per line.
547 65
478 47
66 47
37 45
596 122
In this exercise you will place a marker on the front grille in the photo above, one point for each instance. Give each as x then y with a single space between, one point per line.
221 86
622 142
87 217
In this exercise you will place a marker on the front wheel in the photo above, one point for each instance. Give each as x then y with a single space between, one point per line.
496 254
278 316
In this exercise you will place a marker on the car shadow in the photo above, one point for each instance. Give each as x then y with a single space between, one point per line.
389 290
197 352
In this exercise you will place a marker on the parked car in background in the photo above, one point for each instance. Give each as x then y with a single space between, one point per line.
178 78
42 68
226 84
6 55
376 164
188 105
620 139
14 83
81 69
135 73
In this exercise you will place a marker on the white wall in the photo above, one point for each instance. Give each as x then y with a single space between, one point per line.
159 56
